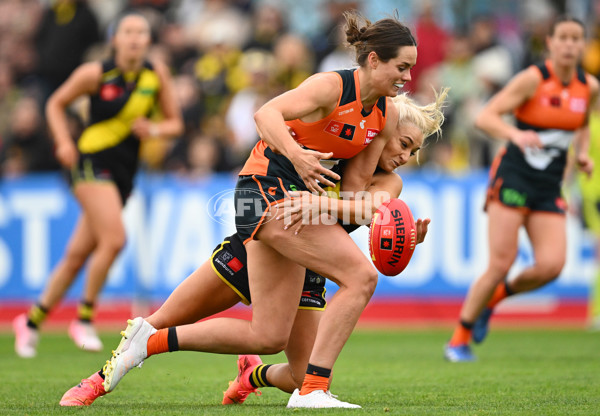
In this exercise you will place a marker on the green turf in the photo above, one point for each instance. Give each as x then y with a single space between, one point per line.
402 372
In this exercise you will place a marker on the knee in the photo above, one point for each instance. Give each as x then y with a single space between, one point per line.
549 270
370 281
75 257
363 286
499 268
113 241
272 344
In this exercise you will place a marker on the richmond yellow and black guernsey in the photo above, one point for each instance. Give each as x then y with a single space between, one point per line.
108 149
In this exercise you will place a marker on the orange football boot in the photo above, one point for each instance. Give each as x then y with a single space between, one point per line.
240 388
85 392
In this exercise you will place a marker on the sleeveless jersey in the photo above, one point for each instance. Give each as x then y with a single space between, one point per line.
555 111
121 98
346 131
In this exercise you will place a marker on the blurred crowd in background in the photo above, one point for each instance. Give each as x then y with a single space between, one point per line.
228 57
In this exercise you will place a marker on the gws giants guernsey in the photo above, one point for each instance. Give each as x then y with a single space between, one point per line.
346 131
555 111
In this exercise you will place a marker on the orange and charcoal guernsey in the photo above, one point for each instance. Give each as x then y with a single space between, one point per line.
554 104
346 131
555 111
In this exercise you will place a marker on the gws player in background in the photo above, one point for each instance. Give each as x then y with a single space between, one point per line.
551 103
124 91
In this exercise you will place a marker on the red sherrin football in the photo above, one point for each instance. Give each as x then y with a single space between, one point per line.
393 237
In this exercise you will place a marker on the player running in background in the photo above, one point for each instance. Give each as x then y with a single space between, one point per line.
124 91
222 281
551 102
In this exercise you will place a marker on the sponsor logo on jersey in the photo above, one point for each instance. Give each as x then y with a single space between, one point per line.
371 133
235 264
345 131
513 197
109 92
222 259
334 127
578 105
561 204
341 113
145 91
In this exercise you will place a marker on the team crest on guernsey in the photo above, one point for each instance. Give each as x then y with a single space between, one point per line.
345 131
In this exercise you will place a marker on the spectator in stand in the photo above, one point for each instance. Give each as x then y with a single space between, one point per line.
433 43
341 56
536 18
9 96
259 68
492 65
203 154
591 57
68 28
207 22
464 97
268 24
330 38
183 53
295 61
27 147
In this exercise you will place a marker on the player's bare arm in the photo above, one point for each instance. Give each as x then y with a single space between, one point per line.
519 89
172 124
85 80
359 170
314 99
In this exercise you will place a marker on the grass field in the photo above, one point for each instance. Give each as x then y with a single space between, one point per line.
534 372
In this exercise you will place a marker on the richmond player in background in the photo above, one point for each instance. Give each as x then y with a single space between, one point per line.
551 103
124 91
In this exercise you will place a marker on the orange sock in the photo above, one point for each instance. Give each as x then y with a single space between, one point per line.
158 342
312 383
499 294
461 335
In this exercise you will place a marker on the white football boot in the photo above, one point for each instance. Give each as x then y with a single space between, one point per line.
131 352
318 399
